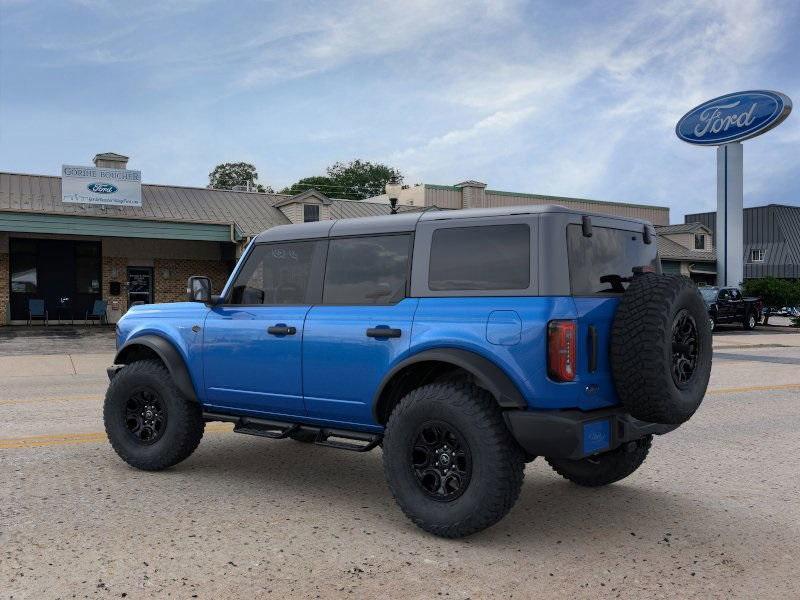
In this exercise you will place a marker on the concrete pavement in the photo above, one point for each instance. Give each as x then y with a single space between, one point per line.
713 513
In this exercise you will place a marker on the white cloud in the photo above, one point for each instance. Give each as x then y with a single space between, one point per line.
595 103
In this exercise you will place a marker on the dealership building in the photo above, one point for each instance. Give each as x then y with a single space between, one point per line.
70 243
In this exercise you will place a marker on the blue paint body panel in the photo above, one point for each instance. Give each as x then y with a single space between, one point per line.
329 371
174 323
342 367
463 323
247 368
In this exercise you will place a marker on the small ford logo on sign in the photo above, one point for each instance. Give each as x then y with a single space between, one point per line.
733 117
101 188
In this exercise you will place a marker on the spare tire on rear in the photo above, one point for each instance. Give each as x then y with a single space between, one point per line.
661 348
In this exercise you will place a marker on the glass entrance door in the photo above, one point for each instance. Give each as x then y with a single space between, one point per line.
140 285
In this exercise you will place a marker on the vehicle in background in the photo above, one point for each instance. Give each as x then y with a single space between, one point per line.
727 305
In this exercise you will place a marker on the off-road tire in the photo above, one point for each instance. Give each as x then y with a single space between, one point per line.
643 348
606 468
184 418
497 461
750 321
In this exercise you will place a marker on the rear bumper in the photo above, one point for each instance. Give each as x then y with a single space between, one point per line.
576 434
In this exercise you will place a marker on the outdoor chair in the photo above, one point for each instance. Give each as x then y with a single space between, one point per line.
37 310
98 312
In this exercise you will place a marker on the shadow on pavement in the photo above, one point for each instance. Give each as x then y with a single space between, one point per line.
229 471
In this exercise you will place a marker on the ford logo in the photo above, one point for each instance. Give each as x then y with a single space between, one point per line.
733 117
101 188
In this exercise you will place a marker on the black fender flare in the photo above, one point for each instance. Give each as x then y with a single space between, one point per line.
168 354
488 375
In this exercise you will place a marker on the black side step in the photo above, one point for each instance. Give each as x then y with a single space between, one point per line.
276 430
279 430
370 440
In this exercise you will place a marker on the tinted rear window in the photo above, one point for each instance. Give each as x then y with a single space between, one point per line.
491 257
607 253
367 270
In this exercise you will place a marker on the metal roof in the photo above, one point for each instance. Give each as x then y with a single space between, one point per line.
671 250
250 212
682 228
354 209
773 228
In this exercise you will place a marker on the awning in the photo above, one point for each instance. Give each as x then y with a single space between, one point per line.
704 269
30 222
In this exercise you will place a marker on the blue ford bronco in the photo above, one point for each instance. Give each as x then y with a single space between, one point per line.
463 343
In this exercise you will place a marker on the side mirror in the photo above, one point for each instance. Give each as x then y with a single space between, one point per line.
199 289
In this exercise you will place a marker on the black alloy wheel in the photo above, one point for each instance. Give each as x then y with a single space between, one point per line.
145 416
441 461
685 348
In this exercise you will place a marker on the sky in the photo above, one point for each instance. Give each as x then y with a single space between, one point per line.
563 98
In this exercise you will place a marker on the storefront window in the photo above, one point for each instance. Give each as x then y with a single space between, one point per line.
23 275
23 266
87 268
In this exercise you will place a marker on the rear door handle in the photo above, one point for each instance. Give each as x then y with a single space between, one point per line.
383 332
281 329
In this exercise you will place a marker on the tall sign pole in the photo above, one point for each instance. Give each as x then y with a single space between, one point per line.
726 122
730 211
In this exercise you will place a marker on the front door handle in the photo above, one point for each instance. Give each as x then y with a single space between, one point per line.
281 329
383 332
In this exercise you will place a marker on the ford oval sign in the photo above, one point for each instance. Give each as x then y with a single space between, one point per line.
733 117
101 188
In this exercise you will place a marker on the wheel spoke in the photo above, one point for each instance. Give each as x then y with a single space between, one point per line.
441 461
145 416
684 347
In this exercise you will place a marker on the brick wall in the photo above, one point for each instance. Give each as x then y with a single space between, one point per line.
115 269
4 289
172 288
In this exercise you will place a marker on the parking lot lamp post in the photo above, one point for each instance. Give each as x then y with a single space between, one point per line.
393 188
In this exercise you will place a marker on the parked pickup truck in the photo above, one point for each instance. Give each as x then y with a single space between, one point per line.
727 305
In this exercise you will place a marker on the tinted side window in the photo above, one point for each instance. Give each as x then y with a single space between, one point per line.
367 270
489 257
604 262
277 274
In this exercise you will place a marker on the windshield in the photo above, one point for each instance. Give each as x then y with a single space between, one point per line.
604 262
709 293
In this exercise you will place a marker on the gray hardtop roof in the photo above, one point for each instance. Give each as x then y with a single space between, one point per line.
405 222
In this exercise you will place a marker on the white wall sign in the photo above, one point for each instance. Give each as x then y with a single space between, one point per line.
94 185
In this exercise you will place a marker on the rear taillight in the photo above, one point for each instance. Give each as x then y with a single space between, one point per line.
561 357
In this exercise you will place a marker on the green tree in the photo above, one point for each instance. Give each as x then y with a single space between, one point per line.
354 180
774 292
228 175
363 179
320 183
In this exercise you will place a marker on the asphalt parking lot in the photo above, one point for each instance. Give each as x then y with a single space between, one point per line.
713 513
